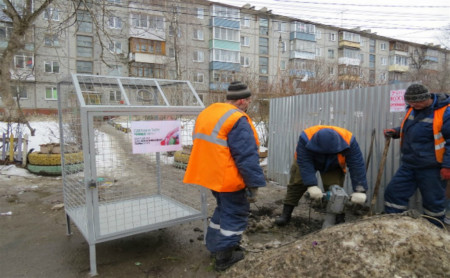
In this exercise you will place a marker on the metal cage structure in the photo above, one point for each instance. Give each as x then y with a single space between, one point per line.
113 192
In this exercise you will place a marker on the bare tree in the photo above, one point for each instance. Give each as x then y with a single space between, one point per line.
22 18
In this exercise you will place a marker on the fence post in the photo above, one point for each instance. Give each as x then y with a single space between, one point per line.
18 155
4 146
11 147
25 150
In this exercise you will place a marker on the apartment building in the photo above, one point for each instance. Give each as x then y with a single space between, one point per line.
210 44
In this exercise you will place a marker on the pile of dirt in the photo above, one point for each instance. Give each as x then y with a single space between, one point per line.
378 246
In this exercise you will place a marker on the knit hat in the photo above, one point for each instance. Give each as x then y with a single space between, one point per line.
237 90
416 93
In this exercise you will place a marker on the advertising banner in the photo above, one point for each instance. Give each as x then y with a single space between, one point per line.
155 136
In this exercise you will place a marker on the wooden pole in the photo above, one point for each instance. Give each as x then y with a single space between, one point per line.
11 147
380 174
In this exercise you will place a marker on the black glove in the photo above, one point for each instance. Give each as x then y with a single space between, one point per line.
390 133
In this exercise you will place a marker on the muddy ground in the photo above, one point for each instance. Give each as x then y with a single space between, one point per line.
33 242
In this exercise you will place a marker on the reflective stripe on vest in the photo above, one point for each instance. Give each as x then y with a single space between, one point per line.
345 134
213 137
210 162
438 121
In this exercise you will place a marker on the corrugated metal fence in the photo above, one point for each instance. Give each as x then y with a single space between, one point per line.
358 110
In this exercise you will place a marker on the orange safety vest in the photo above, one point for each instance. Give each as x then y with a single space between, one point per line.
210 163
438 121
345 134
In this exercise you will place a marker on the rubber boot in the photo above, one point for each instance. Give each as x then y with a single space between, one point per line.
228 257
285 216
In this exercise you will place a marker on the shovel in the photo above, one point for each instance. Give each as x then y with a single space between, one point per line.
380 174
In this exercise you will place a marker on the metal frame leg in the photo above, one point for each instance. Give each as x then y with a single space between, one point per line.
69 230
93 260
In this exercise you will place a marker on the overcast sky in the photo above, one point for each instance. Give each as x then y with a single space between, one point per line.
421 21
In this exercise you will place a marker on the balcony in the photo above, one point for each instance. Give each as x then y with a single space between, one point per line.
431 59
344 43
23 74
301 72
147 58
398 68
216 65
302 36
349 78
398 52
349 61
302 55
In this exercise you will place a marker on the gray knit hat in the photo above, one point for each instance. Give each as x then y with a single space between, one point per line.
416 93
237 90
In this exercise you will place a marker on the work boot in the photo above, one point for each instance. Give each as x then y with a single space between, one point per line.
340 218
235 248
285 216
228 257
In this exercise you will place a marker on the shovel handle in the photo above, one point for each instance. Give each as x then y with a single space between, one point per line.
380 174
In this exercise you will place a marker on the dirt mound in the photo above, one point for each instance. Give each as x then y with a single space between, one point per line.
379 246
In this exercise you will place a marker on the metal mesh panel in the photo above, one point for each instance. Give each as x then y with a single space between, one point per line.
116 192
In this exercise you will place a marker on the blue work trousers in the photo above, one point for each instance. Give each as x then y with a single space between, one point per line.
405 183
228 221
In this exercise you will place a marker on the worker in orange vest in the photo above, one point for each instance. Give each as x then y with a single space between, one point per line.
225 159
327 150
425 160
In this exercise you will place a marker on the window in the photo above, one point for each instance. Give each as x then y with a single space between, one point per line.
245 61
198 56
263 46
115 47
383 76
51 14
332 37
115 70
198 78
51 66
226 34
361 57
139 20
51 40
84 46
318 34
263 65
115 95
351 53
263 27
225 12
200 13
84 22
84 67
331 70
383 61
283 65
330 54
172 52
5 31
198 34
383 46
115 22
371 61
282 26
318 52
23 62
372 45
19 91
245 21
303 27
115 1
147 70
283 47
225 56
51 93
245 41
348 36
148 46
